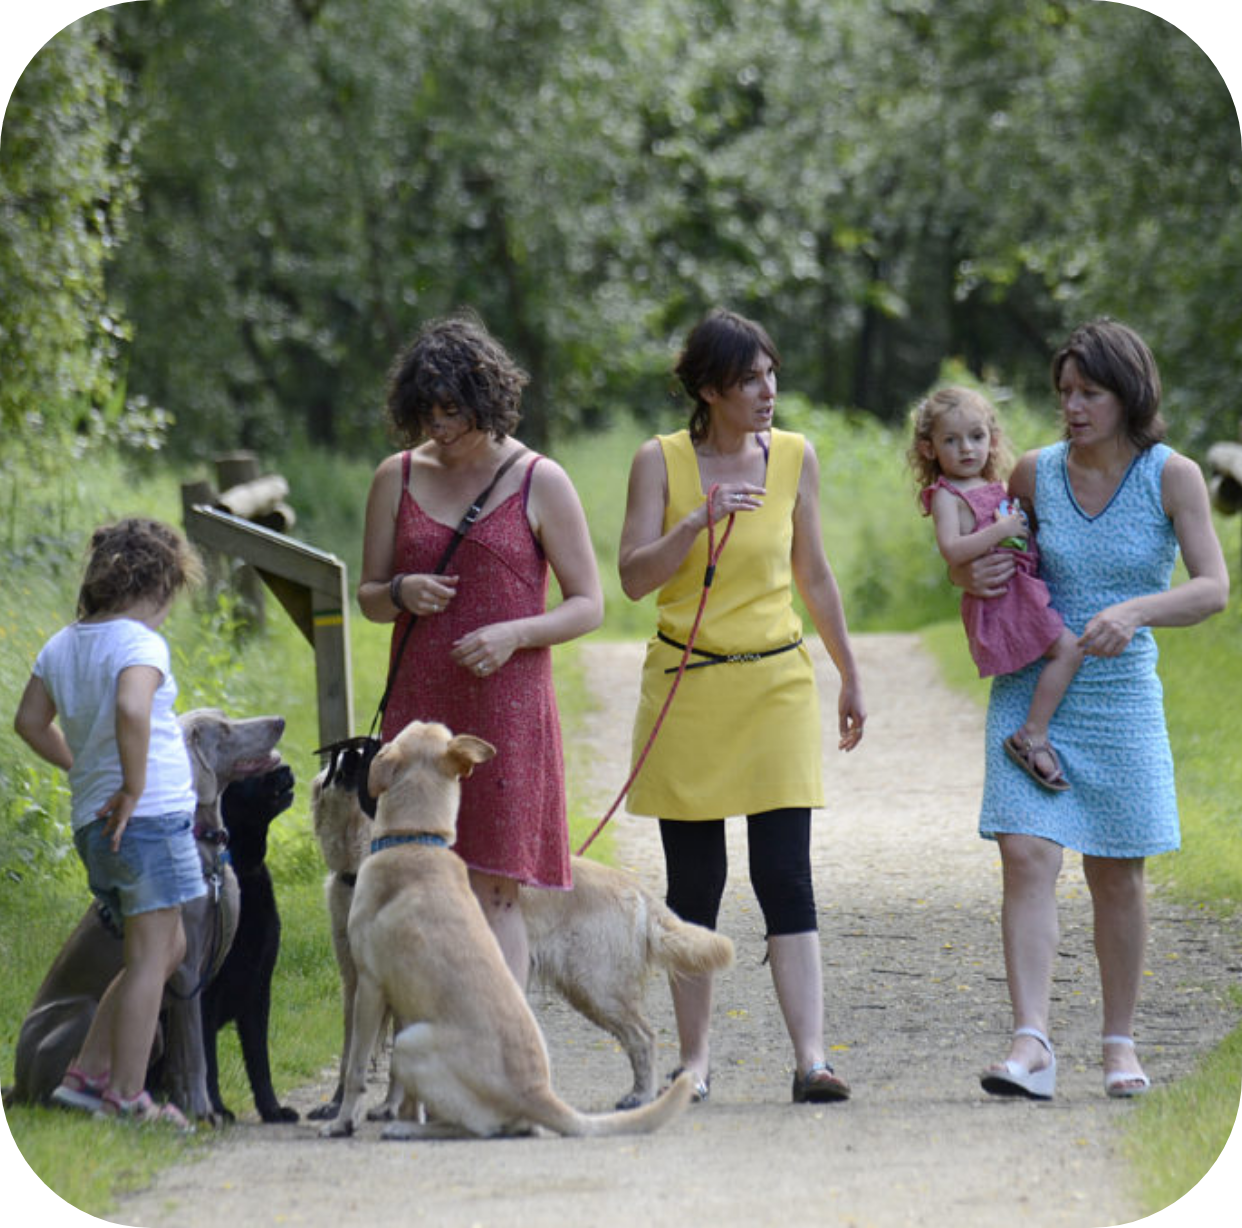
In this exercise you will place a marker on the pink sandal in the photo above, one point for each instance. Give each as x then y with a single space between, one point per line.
143 1110
79 1090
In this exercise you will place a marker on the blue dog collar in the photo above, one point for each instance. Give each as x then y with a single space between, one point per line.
422 837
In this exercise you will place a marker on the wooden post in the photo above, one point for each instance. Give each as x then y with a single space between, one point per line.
311 586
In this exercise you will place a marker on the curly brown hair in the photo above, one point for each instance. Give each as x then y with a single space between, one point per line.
455 363
135 559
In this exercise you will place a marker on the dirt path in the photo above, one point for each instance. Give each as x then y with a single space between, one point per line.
915 1005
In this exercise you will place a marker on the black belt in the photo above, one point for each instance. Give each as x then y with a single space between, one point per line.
718 658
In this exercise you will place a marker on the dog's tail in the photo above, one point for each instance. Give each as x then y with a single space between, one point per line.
669 1104
683 947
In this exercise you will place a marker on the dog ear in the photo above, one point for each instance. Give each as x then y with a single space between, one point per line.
198 740
383 769
464 751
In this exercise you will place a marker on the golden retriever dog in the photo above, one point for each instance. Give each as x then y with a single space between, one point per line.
595 946
471 1052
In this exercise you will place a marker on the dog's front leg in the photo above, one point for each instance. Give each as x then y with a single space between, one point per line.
368 1018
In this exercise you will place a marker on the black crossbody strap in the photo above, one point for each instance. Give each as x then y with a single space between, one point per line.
473 512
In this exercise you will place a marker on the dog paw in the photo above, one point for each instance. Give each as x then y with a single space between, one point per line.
342 1127
279 1113
324 1112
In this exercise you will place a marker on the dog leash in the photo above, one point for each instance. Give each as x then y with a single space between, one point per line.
713 556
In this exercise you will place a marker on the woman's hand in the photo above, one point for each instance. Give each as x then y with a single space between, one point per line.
484 650
1109 632
427 594
851 716
730 497
986 576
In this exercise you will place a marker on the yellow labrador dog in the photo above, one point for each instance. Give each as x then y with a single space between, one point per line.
596 945
472 1052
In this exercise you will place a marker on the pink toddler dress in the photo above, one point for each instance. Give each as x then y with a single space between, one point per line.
1004 633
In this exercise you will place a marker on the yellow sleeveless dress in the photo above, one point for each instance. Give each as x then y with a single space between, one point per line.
740 737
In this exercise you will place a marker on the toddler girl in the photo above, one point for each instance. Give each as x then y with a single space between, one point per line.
99 703
957 454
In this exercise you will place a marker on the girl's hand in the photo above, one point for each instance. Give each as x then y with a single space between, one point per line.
1109 633
117 810
427 594
484 650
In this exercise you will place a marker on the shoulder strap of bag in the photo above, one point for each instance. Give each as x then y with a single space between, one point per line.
473 512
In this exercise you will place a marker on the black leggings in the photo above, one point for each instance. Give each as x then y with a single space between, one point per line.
697 864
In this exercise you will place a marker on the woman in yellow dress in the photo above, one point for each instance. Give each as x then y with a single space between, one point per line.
743 734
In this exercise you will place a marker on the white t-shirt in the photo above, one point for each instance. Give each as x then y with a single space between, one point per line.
80 666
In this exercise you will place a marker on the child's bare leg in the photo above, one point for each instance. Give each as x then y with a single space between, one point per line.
154 946
1062 662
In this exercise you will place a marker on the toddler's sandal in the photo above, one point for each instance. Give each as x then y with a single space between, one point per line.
1023 751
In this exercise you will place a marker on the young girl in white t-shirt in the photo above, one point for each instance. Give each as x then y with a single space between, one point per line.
99 703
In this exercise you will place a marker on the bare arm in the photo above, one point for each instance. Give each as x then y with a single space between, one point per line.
421 594
818 586
560 525
989 574
135 692
958 547
1205 593
35 724
648 557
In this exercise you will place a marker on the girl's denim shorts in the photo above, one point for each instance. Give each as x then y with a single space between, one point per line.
157 865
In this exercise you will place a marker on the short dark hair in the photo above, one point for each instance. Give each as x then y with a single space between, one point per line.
718 353
1114 356
455 362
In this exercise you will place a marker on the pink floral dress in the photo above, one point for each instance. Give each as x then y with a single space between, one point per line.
512 820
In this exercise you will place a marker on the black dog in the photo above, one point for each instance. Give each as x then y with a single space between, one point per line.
242 990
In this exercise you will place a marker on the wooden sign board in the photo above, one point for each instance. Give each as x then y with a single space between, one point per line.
310 584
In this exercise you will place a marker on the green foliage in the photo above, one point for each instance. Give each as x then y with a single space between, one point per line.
591 176
66 183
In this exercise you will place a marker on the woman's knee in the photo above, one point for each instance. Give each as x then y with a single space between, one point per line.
780 871
1115 879
1029 860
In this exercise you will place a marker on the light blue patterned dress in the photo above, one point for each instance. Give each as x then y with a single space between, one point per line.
1109 729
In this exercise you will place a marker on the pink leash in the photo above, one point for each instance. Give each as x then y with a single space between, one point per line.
713 555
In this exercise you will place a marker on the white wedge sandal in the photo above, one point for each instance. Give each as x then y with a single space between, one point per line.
1113 1079
1011 1078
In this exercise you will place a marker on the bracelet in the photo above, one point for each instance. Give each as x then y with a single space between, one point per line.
394 591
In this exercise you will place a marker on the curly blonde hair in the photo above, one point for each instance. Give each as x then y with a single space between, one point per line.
134 559
923 421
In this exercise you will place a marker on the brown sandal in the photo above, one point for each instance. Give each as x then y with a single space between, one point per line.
1023 751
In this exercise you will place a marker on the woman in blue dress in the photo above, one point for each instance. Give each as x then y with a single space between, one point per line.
1112 505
